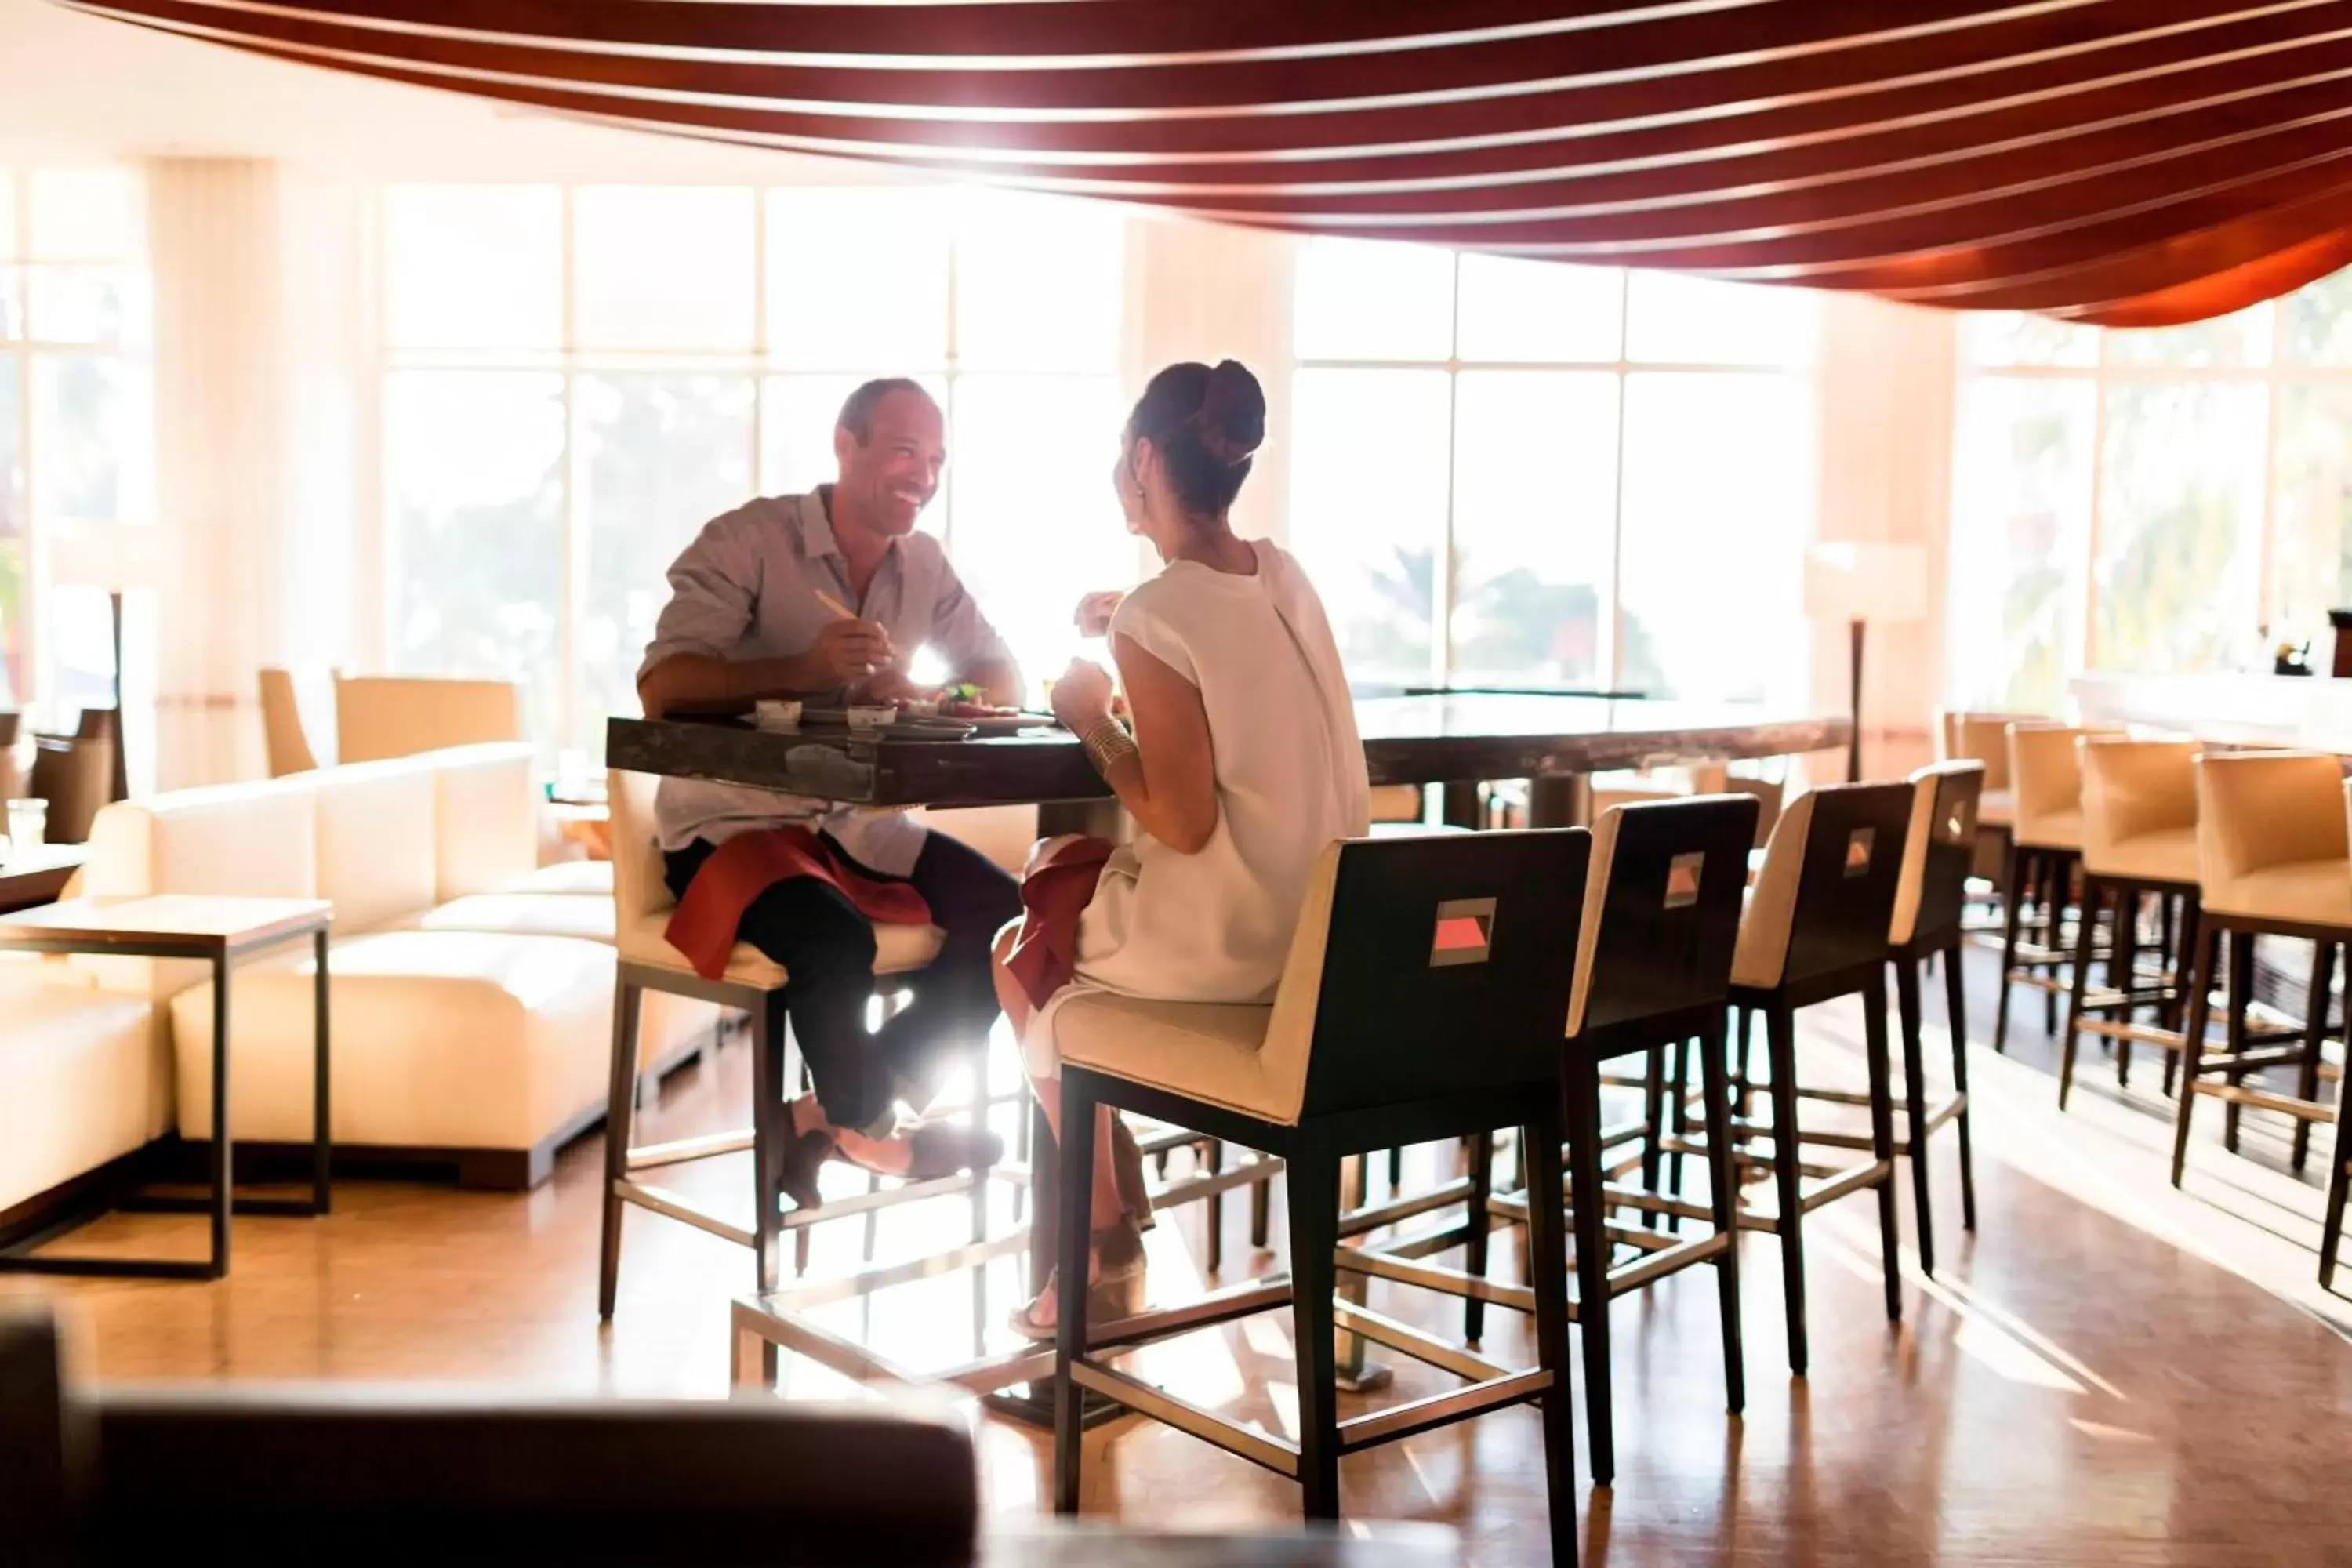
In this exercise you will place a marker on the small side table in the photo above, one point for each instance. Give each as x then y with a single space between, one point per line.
220 932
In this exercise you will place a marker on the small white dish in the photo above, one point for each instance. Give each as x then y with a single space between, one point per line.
776 715
874 718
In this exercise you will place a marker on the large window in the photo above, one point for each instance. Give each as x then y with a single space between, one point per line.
2148 501
77 425
577 379
1513 472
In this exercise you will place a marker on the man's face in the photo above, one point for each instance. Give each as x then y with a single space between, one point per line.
894 471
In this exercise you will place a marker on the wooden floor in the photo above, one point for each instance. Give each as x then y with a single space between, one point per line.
2109 1373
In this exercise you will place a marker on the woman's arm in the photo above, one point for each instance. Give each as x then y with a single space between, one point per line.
1169 781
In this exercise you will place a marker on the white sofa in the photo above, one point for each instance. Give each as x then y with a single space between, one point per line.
83 1084
470 991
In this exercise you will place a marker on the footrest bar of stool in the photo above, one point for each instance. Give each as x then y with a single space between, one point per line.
1833 1097
670 1205
2285 1105
1945 1112
1408 1341
2249 1061
653 1156
2133 1034
1427 1243
880 1198
1830 1138
1853 1181
1431 1277
1204 1313
1259 1447
1658 1264
1248 1172
876 1277
1651 1202
1356 1222
1443 1409
1632 1235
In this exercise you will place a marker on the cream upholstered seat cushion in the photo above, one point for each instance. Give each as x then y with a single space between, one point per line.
81 1083
441 1039
2057 830
2303 892
1203 1050
1245 1057
897 949
1770 914
572 878
516 914
1997 808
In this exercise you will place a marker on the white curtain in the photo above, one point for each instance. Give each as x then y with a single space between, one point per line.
258 324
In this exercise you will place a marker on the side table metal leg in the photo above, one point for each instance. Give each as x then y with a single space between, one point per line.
322 1100
223 1195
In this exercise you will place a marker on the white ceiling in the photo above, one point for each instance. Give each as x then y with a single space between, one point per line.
75 87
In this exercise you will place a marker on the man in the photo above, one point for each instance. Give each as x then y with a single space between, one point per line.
752 614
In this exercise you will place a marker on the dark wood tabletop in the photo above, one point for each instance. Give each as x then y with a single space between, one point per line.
1407 740
38 873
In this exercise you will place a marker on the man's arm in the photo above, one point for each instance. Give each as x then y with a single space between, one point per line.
714 595
845 653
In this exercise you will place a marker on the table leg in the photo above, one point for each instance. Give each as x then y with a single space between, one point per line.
321 1124
1461 807
1560 801
224 1177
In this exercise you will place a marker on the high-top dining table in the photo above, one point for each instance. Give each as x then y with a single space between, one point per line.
1455 739
1458 740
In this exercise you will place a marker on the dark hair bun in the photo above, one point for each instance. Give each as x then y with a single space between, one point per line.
1232 413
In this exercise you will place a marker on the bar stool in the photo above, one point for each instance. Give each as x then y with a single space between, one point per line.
1815 930
1422 999
2045 842
2140 838
1930 898
1653 971
648 962
1983 737
2272 861
2339 1162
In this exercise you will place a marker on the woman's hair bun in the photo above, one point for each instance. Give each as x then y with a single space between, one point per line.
1232 419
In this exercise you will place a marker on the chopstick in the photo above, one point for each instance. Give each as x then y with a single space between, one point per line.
830 602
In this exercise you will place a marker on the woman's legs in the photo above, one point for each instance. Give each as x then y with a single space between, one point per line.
1108 1209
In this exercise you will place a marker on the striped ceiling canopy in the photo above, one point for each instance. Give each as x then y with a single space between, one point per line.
2129 162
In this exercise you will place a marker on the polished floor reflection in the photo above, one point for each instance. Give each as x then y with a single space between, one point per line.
2108 1373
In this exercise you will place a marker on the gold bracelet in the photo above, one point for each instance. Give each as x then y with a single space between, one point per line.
1106 742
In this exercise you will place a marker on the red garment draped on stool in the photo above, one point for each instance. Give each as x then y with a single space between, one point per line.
1054 894
703 925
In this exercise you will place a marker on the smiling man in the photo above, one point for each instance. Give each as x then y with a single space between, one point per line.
821 597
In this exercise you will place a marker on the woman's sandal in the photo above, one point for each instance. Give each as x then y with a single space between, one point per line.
1116 1290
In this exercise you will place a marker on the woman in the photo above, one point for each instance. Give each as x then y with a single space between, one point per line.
1245 763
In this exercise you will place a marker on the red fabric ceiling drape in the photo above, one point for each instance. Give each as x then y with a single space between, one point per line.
2129 162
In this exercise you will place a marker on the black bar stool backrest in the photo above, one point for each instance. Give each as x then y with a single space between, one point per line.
1846 889
1667 883
1443 966
1941 839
